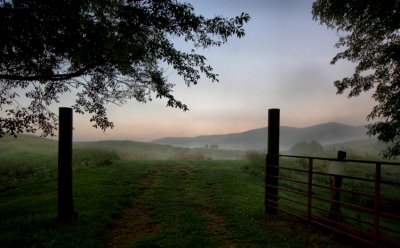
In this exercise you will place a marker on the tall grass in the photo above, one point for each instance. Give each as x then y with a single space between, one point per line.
255 164
93 156
21 165
389 188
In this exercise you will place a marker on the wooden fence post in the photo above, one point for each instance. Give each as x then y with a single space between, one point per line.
336 184
377 205
65 199
272 163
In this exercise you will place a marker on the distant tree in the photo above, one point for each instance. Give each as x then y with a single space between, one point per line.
101 51
316 147
370 34
304 148
213 146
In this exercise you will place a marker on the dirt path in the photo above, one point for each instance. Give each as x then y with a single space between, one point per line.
215 224
215 227
134 222
137 221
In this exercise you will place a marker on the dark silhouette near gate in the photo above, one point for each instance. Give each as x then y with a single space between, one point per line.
272 163
65 199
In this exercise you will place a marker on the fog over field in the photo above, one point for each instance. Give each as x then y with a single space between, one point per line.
332 136
325 134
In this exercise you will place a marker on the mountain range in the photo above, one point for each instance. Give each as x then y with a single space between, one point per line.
325 134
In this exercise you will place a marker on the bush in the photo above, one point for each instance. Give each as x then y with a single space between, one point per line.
304 148
93 157
255 165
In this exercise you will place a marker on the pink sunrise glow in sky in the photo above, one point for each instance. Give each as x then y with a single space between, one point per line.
282 62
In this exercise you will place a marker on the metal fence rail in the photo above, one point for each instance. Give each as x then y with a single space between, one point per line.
363 206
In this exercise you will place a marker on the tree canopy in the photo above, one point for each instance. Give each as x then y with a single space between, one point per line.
105 51
369 34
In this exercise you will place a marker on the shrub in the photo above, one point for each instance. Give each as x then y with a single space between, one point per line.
255 165
304 148
93 156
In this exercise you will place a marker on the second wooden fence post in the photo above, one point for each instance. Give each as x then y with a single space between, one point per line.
336 185
272 163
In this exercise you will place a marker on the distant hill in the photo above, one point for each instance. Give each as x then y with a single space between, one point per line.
27 143
126 149
176 147
325 134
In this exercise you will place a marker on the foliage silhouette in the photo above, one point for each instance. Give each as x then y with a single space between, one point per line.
101 51
370 33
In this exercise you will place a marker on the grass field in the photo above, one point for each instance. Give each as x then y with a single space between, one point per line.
149 204
142 203
28 155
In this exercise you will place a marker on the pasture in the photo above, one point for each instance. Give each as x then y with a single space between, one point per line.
126 203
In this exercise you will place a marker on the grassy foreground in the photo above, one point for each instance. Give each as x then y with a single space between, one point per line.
151 204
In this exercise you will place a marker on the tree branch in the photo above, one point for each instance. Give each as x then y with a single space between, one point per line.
54 77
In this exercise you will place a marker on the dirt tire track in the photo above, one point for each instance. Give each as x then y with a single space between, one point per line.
215 226
134 222
214 223
137 221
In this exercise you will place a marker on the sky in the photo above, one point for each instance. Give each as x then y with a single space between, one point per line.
282 62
